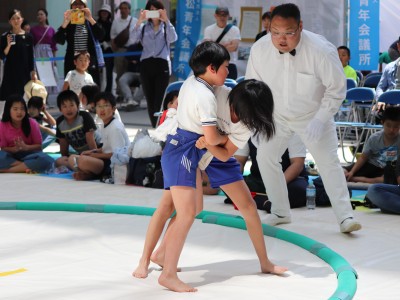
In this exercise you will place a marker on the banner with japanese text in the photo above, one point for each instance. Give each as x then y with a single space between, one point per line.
364 34
188 24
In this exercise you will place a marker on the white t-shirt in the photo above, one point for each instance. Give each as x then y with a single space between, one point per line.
197 106
311 83
238 133
212 33
119 24
77 80
114 136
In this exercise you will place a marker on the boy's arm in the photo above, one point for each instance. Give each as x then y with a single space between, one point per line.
212 137
222 152
47 130
295 168
90 140
357 166
63 146
48 118
65 86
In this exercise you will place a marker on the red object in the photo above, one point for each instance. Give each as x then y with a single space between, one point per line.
253 194
163 116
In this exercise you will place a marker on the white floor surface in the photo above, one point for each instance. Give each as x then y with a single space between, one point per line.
69 255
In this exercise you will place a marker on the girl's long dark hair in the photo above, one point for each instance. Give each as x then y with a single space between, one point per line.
26 126
253 104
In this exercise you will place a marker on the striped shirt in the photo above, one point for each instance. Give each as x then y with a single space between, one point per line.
81 38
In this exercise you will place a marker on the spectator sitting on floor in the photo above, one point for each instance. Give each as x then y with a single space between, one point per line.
292 166
95 163
37 110
381 148
20 140
75 128
386 196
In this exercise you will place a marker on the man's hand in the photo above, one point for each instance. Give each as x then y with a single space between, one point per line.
314 130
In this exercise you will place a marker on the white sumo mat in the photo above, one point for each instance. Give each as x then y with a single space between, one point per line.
70 255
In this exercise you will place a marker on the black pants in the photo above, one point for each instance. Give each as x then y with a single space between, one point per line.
154 76
232 71
109 70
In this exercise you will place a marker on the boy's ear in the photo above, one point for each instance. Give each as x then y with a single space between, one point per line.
211 69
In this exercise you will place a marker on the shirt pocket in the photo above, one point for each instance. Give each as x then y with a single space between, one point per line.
305 84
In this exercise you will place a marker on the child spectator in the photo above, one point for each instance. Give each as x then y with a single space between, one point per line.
75 128
95 163
87 97
380 149
20 140
37 110
344 56
76 79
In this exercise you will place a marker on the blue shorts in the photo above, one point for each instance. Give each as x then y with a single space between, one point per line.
180 159
221 173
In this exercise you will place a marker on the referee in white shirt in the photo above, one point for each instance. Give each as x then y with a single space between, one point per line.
308 84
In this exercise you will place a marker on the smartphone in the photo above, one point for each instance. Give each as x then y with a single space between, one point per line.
152 14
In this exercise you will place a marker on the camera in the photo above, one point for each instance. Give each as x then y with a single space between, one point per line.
77 17
152 14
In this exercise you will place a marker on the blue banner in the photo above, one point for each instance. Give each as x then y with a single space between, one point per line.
188 24
364 34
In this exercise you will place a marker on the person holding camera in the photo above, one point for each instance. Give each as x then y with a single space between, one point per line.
156 36
16 49
79 29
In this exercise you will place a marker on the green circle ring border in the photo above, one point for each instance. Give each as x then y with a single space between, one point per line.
346 275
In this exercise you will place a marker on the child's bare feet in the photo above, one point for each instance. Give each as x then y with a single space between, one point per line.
142 270
157 258
174 284
273 269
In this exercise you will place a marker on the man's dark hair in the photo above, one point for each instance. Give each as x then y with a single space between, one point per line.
205 54
67 95
287 11
253 104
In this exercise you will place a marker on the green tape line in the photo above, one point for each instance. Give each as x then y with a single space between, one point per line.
8 205
346 275
316 248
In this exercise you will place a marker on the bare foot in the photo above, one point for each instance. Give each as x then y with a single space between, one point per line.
273 269
158 259
175 284
142 270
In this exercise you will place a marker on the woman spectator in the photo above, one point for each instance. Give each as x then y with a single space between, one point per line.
21 140
45 46
105 20
155 35
79 38
16 49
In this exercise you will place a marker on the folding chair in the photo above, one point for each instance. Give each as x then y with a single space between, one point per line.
231 83
360 76
390 97
351 83
173 86
372 80
240 79
354 130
